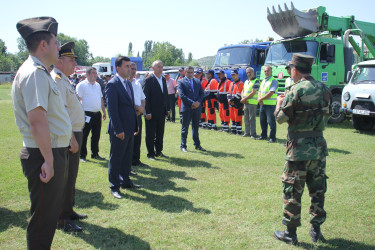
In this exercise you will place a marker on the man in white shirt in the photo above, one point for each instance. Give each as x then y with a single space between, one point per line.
140 103
91 97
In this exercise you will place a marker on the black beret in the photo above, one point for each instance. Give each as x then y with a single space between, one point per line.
29 26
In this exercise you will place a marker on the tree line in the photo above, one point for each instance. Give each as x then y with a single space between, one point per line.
164 51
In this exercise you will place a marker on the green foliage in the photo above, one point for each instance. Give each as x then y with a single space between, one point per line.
190 57
100 59
206 61
164 51
247 41
8 61
130 49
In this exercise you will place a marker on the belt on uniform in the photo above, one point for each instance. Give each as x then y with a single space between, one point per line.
296 135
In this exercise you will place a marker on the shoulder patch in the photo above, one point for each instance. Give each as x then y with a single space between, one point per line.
41 67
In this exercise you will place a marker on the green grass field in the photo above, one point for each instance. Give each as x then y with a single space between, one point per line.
226 198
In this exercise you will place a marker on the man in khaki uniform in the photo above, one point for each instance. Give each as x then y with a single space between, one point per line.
45 127
64 68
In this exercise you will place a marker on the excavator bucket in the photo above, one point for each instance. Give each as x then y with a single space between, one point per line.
293 23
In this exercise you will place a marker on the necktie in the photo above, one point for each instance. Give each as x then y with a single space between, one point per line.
191 84
128 89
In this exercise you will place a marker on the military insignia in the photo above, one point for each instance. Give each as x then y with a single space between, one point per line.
41 67
58 76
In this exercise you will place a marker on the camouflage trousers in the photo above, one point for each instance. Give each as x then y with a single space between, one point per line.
295 175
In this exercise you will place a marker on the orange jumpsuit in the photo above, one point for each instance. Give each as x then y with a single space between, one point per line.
203 121
236 110
210 92
222 92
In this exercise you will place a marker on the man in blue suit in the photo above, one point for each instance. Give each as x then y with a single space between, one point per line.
122 127
191 94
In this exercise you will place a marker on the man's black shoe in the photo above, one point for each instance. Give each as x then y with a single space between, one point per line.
272 141
83 159
200 149
116 193
161 155
97 157
316 234
152 158
133 173
288 236
184 150
69 227
132 185
245 135
76 216
261 138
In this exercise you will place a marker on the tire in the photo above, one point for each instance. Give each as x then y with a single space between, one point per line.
336 116
362 123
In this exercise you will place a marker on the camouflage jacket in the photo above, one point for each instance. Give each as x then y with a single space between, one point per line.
306 108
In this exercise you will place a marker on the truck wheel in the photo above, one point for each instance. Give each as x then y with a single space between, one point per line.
362 123
336 116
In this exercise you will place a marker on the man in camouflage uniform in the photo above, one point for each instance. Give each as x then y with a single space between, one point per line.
306 108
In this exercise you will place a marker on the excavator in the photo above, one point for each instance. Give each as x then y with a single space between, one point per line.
337 43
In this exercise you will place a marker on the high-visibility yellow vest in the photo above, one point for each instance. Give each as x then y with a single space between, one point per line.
248 88
289 82
265 89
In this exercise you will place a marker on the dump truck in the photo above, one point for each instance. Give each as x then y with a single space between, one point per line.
327 38
240 57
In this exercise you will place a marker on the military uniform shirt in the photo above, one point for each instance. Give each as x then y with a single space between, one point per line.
306 108
70 98
33 87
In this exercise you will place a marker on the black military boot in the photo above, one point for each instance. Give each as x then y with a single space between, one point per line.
316 234
289 236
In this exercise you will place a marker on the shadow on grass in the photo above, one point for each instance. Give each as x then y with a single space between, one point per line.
181 162
223 154
86 200
336 244
11 218
109 238
160 179
339 151
167 203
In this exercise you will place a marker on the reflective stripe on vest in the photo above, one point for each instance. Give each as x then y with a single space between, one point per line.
225 87
289 82
248 88
265 89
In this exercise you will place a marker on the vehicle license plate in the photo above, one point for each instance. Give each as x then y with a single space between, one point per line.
361 112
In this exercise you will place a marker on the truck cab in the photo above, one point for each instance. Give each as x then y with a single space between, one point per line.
103 68
358 99
329 64
240 57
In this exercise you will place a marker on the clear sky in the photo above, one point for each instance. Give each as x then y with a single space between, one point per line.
196 26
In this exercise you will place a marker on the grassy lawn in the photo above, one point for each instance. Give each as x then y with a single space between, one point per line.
226 198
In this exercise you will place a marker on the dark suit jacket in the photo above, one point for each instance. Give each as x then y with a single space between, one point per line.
156 101
121 109
187 95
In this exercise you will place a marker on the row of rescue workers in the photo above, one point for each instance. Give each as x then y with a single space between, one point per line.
232 98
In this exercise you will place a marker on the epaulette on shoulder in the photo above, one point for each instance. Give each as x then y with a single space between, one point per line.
41 67
58 76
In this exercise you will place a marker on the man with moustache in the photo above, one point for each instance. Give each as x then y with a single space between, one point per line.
64 68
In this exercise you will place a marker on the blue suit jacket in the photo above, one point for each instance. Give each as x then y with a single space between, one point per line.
121 108
186 93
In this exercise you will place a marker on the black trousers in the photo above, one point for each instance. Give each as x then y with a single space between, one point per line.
95 125
172 105
46 198
137 144
72 172
154 135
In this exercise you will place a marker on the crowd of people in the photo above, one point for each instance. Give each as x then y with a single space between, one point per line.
55 115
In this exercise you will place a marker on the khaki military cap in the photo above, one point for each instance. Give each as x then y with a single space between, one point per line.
30 26
67 50
302 62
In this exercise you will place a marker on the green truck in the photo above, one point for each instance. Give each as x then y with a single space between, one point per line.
327 38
